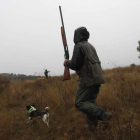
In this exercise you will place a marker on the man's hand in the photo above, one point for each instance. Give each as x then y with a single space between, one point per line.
65 62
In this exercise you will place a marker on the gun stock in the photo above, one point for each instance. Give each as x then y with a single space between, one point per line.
66 74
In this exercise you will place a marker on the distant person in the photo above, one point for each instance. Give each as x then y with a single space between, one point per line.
87 65
46 73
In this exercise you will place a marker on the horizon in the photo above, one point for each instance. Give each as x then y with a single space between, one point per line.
42 74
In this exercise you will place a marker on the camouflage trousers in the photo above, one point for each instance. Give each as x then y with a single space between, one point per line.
85 101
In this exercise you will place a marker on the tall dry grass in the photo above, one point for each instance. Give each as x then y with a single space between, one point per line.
120 95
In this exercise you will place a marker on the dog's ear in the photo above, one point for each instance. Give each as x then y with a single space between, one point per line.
28 107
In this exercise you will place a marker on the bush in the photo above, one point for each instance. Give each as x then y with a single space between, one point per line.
133 65
4 83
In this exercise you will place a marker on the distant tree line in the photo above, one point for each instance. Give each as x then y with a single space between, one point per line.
17 77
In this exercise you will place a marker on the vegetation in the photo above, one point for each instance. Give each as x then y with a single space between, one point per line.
120 95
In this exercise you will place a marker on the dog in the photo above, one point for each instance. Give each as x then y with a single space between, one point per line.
33 112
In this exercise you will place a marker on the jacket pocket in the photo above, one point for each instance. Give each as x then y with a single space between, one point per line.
97 73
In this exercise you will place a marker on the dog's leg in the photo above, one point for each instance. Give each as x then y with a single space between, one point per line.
47 115
29 120
47 119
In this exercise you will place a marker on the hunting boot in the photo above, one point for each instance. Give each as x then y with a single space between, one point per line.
105 117
92 123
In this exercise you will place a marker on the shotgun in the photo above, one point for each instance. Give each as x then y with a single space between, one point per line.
66 70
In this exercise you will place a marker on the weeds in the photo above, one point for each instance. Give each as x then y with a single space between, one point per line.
120 95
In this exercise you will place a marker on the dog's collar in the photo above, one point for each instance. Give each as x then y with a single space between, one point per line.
31 109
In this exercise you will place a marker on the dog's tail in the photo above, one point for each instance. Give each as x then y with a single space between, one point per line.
47 109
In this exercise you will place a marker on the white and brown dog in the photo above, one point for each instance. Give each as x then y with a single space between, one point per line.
33 112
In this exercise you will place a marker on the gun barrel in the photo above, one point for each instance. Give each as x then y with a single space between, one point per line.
62 24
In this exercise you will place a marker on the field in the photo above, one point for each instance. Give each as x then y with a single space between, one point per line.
120 95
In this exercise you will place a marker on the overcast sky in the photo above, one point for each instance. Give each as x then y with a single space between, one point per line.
30 37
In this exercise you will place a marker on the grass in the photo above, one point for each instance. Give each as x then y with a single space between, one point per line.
120 95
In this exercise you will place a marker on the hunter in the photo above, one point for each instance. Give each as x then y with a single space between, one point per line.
46 73
87 65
